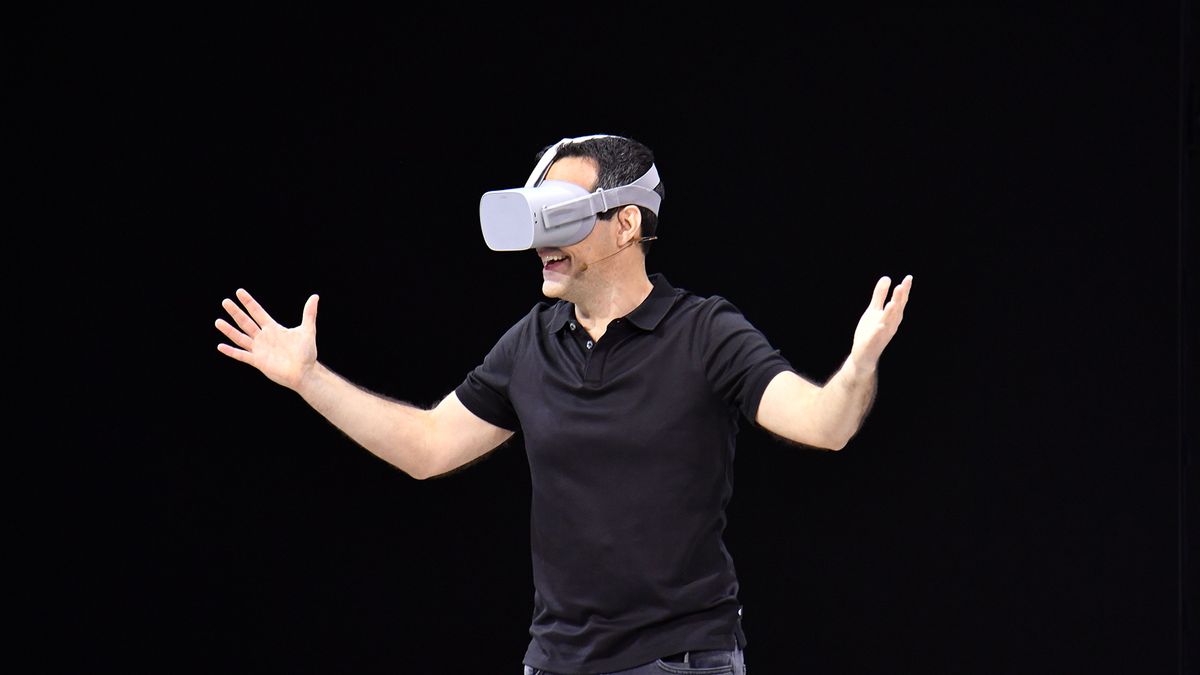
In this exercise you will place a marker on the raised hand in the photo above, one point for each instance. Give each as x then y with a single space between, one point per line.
879 323
283 354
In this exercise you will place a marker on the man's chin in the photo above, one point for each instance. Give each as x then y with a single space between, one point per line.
552 289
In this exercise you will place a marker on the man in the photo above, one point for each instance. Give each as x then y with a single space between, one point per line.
628 393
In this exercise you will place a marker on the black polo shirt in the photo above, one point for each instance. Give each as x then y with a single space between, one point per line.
630 441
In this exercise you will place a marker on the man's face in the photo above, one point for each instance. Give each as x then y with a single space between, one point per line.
563 268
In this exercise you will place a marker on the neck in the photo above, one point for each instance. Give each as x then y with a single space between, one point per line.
613 299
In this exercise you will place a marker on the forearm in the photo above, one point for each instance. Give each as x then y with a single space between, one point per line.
839 407
397 432
828 416
819 416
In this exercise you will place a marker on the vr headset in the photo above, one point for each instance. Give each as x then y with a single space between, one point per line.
554 213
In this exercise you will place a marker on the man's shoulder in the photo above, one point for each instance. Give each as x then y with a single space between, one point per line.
698 304
711 316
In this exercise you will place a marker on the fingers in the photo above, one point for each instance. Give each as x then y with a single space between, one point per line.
237 337
256 311
233 353
903 291
880 293
895 307
244 322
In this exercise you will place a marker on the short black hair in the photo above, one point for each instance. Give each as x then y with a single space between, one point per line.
620 161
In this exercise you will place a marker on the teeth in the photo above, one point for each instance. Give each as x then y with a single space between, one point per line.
553 259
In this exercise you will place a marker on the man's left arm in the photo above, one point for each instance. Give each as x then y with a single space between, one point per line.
828 416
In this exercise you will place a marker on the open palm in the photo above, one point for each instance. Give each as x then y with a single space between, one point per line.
283 354
880 321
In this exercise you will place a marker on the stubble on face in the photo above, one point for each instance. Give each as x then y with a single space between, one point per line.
570 277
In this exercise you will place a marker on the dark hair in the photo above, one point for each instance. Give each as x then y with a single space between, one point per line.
620 161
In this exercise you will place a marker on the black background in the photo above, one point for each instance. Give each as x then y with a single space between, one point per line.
1012 504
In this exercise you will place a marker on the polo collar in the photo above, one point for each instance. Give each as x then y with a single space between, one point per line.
656 305
646 316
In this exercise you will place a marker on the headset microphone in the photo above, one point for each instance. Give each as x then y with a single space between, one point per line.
583 266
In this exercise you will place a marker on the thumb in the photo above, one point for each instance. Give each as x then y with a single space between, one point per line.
309 320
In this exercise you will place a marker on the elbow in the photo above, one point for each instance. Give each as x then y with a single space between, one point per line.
415 465
424 470
836 440
817 441
826 443
419 474
424 456
417 470
835 444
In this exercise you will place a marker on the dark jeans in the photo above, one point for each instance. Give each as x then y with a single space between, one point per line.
713 662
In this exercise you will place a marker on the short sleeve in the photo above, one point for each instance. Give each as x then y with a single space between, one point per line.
485 390
739 361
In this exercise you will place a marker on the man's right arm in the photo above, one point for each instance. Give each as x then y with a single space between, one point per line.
421 443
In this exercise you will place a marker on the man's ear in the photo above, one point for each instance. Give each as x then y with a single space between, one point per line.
629 224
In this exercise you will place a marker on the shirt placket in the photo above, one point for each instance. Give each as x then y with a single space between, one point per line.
595 352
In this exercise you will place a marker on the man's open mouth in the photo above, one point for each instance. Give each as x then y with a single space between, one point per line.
555 262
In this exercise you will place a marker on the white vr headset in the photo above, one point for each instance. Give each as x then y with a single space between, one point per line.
554 213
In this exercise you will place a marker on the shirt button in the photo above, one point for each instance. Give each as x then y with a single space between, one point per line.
589 344
572 324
